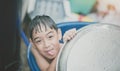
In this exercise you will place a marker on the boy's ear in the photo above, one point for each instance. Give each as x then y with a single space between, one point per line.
31 42
59 34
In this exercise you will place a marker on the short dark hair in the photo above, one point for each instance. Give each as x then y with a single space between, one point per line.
41 20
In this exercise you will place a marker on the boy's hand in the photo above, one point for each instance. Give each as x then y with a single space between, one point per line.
69 34
34 50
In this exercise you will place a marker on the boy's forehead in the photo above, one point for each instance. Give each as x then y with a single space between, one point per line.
42 32
42 29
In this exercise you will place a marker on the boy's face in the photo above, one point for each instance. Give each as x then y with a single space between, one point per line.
46 42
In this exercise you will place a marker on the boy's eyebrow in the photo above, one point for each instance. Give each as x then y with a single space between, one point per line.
49 32
35 38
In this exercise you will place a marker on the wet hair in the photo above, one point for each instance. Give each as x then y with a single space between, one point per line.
40 21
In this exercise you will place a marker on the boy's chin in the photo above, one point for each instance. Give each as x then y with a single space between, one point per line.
51 58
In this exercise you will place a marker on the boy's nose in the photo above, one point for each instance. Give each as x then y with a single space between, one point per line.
46 43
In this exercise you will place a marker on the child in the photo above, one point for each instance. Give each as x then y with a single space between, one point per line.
44 37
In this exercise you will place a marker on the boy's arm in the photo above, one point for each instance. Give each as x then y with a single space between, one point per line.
41 62
52 66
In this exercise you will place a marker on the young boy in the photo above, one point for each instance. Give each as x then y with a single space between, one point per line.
44 37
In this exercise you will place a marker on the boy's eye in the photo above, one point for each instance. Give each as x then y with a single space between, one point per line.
50 37
38 41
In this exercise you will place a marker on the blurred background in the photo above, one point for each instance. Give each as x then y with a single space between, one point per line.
105 11
16 14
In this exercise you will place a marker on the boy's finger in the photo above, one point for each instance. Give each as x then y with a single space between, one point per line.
67 38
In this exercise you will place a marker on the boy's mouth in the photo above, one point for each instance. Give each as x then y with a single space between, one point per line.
51 52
